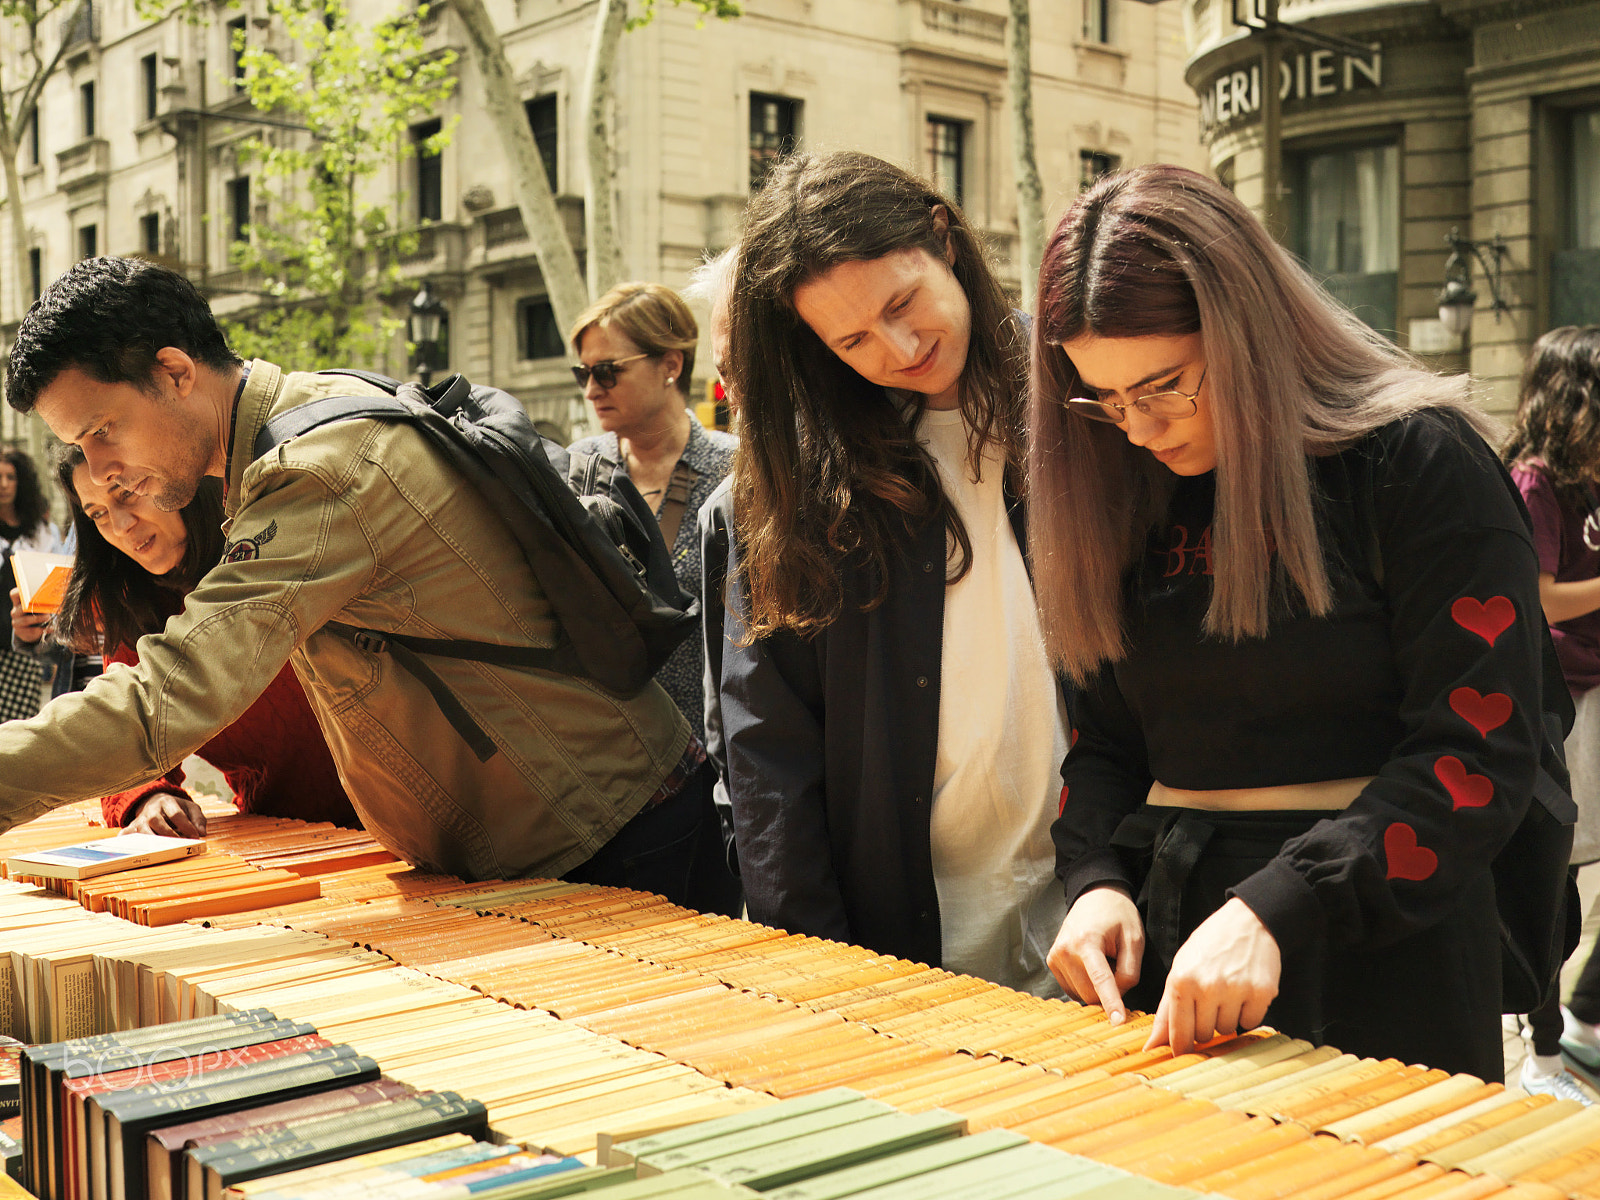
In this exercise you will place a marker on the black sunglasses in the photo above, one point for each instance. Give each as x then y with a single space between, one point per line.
605 373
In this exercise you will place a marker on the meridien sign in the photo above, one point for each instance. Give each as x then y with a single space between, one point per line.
1234 97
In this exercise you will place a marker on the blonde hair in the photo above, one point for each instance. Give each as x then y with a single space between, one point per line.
654 318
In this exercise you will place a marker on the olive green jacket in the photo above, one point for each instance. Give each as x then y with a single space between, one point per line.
361 522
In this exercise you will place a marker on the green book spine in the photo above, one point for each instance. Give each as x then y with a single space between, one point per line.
625 1152
834 1149
836 1185
999 1176
696 1153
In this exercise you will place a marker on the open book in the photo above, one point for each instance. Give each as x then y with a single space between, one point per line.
42 579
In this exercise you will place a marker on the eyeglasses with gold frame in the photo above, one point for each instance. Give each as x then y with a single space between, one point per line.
1166 405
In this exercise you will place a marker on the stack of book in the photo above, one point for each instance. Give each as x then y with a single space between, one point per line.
184 1110
835 1145
160 880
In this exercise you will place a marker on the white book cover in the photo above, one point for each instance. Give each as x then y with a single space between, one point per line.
89 859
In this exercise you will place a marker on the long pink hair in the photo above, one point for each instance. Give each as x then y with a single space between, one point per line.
1290 373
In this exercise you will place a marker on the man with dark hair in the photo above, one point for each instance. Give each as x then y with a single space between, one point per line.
356 524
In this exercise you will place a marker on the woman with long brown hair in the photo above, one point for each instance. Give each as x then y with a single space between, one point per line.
1301 600
891 723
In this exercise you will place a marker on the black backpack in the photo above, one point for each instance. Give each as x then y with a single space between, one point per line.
600 558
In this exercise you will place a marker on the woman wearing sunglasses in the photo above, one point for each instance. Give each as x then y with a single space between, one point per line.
1301 600
891 724
636 348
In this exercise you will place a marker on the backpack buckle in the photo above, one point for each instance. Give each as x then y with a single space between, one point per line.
370 640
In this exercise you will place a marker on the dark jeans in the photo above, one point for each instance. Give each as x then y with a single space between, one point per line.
674 850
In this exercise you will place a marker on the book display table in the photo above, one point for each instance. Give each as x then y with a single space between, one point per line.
582 1016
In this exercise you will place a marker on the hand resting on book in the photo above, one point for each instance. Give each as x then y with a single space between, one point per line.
167 814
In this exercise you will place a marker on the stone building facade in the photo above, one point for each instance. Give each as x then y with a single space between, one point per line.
1476 115
134 147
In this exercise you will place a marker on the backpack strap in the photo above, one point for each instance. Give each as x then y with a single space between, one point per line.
405 649
677 500
589 473
317 413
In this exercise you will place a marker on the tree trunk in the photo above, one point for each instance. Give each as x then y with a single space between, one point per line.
599 94
1030 192
557 261
19 226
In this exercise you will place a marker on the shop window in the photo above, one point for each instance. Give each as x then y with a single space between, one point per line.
150 234
947 144
1575 265
1345 225
543 120
774 132
430 174
538 335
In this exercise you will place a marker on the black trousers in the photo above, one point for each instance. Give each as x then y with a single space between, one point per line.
1431 998
674 849
1585 1002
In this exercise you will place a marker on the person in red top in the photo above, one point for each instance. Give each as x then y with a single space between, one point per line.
135 563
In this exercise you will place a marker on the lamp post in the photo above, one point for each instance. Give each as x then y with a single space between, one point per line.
1457 300
427 316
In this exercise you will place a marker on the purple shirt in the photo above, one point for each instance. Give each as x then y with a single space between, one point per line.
1567 540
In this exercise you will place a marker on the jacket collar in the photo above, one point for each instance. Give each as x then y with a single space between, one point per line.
260 395
697 451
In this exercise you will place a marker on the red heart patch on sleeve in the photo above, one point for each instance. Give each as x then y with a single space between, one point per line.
1407 860
1466 789
1483 713
1488 619
1062 807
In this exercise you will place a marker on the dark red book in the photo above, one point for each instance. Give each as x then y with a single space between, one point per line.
165 1177
76 1138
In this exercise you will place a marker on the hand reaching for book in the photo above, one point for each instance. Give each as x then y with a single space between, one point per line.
167 814
26 626
1223 978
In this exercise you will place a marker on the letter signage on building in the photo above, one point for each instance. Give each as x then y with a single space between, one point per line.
1234 97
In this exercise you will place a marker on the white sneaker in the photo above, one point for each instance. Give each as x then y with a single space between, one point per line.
1579 1040
1563 1085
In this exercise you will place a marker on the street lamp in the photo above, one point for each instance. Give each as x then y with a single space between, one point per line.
1457 299
427 316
